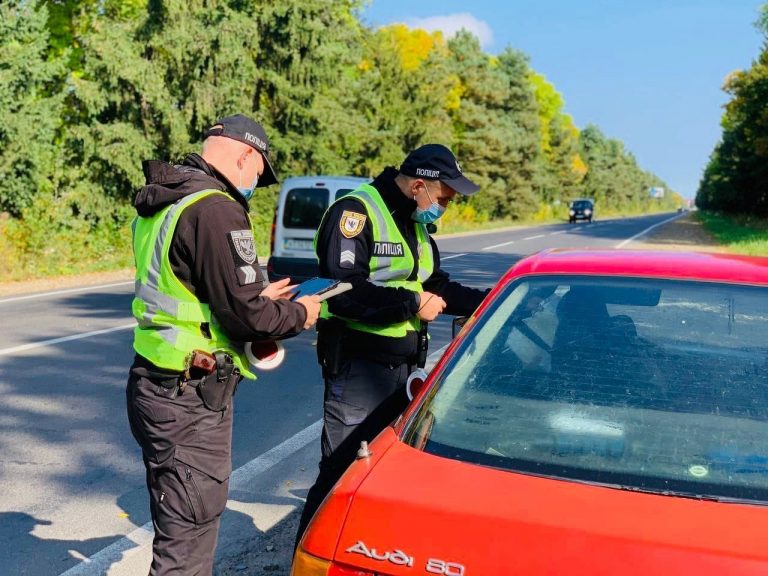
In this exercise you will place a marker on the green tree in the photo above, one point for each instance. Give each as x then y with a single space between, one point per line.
306 47
735 179
614 179
497 127
30 105
395 97
559 140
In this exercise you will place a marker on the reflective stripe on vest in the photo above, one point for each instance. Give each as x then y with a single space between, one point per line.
169 316
387 270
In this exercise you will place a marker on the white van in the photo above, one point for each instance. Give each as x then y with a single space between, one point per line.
300 208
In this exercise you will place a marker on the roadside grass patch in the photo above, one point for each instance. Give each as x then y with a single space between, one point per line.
742 234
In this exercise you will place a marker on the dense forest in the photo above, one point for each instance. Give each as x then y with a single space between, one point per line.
735 180
89 88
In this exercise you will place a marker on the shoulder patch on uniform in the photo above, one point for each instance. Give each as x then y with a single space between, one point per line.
243 245
351 223
246 275
347 254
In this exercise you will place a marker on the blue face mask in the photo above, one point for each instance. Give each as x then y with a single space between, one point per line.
247 192
429 215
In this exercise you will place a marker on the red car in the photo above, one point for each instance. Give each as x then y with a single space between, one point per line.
602 413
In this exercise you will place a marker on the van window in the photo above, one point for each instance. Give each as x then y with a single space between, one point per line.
343 192
304 207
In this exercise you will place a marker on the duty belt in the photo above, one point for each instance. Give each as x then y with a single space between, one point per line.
172 387
177 381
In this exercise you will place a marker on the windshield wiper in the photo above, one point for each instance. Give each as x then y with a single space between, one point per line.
690 495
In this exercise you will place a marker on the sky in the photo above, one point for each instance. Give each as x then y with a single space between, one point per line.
647 73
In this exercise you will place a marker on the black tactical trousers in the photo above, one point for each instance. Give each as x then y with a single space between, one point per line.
363 399
187 453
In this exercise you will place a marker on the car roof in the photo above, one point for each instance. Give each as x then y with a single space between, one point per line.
732 268
322 179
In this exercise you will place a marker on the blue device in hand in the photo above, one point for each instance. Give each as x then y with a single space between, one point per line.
323 287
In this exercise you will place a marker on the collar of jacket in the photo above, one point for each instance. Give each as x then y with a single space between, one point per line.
400 205
196 161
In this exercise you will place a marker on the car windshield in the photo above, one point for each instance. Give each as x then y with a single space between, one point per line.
642 384
582 204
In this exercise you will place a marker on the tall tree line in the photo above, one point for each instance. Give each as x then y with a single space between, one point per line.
735 179
88 88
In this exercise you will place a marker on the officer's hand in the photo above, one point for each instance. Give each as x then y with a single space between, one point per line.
278 289
312 305
431 305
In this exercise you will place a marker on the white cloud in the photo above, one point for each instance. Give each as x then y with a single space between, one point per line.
453 23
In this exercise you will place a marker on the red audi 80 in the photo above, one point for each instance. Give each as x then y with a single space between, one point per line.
603 412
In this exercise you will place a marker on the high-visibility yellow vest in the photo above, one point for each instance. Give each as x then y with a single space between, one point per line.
390 270
172 322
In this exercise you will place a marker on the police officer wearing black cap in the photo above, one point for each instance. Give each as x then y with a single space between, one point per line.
200 296
370 337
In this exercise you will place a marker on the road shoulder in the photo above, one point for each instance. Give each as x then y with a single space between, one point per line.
683 233
63 282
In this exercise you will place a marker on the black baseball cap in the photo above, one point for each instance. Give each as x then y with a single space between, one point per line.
248 131
436 162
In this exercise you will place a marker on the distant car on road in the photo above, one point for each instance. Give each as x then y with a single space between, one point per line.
603 412
582 209
301 203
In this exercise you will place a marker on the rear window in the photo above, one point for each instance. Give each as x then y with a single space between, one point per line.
649 385
304 207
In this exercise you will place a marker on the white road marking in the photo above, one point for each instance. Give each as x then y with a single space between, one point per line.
241 479
556 233
68 291
74 290
644 232
498 245
454 256
534 237
43 343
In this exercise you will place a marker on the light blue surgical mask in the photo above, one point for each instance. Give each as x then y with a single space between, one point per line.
247 192
429 215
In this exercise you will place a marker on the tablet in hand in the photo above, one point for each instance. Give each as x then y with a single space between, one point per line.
323 287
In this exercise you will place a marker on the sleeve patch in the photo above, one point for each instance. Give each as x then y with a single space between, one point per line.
347 255
351 223
248 275
242 247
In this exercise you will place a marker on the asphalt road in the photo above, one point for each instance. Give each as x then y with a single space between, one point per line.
71 478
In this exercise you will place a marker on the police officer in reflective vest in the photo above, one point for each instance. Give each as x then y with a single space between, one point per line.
200 296
369 338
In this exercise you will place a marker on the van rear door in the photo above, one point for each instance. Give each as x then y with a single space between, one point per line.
303 210
301 206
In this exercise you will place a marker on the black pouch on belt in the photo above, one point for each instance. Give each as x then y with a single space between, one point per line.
217 388
330 343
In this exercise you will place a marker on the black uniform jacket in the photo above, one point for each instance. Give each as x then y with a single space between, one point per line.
212 251
348 259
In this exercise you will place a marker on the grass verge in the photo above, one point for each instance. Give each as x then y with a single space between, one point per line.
29 252
740 234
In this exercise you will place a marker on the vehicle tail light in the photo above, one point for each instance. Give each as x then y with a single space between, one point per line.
305 564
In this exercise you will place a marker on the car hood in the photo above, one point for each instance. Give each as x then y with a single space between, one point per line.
415 513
